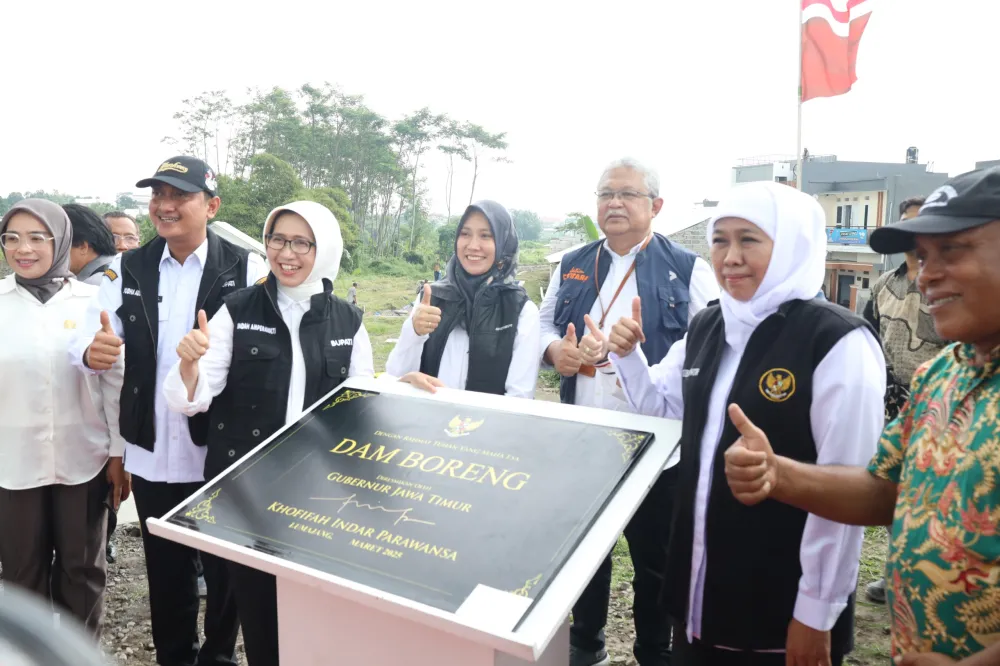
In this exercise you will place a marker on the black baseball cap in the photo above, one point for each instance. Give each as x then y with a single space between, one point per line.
187 174
964 202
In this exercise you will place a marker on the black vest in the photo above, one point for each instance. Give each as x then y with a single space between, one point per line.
225 272
752 553
491 340
252 406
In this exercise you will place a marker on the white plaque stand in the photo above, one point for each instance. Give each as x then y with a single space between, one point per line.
326 620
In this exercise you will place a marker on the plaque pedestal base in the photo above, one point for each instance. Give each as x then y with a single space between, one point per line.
319 629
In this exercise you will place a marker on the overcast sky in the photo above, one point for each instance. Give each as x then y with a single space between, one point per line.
689 87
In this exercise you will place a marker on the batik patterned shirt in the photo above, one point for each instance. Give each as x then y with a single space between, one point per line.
943 451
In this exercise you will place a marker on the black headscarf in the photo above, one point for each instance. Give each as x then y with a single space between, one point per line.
500 275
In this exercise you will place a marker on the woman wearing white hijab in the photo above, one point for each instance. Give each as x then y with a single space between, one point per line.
767 584
270 352
60 448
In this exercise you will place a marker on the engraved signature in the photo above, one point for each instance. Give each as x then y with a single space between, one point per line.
404 514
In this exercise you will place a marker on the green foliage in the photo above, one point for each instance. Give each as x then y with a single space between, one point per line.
318 140
6 203
146 229
124 201
581 224
532 253
446 240
527 224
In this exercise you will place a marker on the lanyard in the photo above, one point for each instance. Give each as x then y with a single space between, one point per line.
628 274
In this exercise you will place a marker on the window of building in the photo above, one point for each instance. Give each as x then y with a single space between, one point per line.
864 283
840 216
866 215
847 216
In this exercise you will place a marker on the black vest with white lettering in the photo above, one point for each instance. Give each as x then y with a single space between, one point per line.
225 272
491 340
752 565
253 405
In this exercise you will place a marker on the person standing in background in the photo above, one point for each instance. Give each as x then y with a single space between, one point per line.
124 230
352 294
93 244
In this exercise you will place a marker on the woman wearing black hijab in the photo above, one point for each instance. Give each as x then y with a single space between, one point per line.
476 329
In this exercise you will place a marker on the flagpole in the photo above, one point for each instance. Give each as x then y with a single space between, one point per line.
798 139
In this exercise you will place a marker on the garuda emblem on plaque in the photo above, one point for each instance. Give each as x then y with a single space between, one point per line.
460 427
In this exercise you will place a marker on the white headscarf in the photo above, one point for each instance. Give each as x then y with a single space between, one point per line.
329 247
795 222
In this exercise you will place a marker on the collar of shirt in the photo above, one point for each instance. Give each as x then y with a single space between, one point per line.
631 253
201 253
965 354
286 303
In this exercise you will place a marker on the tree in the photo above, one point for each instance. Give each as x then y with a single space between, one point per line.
414 133
578 223
452 146
527 224
205 124
479 144
124 201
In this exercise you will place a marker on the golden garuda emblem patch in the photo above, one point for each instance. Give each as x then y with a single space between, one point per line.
777 384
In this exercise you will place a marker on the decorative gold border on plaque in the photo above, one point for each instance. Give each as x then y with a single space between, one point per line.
347 396
528 586
630 442
203 510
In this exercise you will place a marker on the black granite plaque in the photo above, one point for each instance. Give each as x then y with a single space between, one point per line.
418 498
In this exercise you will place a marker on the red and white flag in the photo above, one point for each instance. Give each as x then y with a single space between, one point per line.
831 33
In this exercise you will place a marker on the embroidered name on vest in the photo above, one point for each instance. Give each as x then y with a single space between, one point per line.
343 342
691 372
129 291
244 326
230 283
576 274
504 327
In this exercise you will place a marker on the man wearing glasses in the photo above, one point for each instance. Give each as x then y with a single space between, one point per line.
148 302
631 270
124 229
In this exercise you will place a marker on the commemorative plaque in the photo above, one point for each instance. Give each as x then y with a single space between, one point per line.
420 498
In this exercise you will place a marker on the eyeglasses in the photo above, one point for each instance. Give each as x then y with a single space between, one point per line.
12 240
299 245
128 240
627 196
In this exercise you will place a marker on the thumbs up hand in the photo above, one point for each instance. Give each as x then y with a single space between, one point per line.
594 345
426 317
627 333
106 347
194 345
565 353
751 466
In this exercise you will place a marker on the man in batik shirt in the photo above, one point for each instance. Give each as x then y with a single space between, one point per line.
936 475
898 312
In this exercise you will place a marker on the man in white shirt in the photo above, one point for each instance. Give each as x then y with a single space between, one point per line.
147 304
594 287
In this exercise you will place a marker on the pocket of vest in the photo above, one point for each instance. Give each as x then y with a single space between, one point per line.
338 363
674 300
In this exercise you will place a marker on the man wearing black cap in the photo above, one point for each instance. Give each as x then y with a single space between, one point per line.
936 475
148 302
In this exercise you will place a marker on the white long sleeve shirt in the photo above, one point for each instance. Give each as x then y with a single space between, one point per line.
522 375
601 390
174 458
847 420
213 368
57 426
